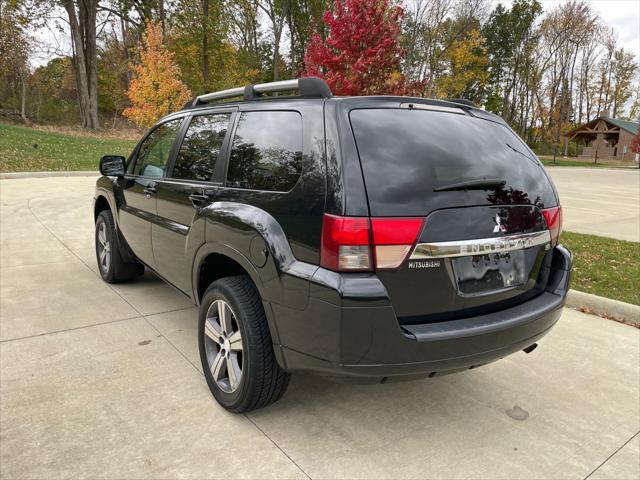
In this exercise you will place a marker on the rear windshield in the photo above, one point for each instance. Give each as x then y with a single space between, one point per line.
406 154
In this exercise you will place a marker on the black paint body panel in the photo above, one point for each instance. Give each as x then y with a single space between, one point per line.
365 325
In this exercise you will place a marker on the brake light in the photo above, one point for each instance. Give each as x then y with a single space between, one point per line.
553 217
348 242
393 239
345 243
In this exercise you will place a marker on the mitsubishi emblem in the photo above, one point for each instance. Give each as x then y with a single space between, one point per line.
498 227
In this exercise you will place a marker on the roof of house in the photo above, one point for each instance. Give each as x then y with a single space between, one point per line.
631 127
585 128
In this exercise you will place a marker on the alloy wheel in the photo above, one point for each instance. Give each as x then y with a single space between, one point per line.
104 248
223 346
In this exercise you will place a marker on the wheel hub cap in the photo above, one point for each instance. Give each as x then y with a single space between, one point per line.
104 248
223 346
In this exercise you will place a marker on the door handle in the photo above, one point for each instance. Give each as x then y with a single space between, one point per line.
197 199
150 190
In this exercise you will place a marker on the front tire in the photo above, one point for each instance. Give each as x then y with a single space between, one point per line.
112 267
236 349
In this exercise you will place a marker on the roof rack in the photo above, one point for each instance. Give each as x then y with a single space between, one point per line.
462 101
308 87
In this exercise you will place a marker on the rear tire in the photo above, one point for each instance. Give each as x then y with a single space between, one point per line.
236 350
112 267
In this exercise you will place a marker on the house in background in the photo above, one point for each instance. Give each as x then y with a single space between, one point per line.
606 138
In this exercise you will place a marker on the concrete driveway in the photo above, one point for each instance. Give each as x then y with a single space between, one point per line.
600 201
104 382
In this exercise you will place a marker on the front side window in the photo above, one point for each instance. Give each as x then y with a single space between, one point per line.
201 146
266 153
154 151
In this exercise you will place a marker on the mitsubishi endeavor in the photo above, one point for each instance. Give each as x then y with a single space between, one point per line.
369 239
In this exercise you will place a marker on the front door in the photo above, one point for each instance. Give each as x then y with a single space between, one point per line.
140 185
188 187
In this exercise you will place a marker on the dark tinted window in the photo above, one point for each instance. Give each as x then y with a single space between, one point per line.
267 151
201 146
154 151
406 154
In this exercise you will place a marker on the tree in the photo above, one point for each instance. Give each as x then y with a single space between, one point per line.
362 53
244 31
302 17
634 110
198 38
467 69
113 70
512 41
622 72
156 88
54 94
14 56
277 12
430 29
82 23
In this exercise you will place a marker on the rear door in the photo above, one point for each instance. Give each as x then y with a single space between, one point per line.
480 192
264 170
139 186
190 185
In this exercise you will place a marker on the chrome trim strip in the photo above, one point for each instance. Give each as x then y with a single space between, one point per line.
480 246
155 219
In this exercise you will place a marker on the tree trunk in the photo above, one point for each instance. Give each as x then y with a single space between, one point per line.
276 54
91 58
205 44
23 100
83 39
125 47
161 15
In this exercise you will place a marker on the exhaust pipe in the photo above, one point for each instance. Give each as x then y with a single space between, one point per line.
530 348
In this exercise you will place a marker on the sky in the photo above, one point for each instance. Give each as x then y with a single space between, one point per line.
622 15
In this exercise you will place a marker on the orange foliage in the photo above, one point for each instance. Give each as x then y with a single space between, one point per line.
156 89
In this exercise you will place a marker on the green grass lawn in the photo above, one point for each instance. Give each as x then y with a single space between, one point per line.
604 266
25 149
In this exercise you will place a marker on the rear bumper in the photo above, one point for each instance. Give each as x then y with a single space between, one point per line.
349 330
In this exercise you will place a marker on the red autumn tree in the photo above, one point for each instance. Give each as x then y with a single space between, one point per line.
361 55
156 89
635 143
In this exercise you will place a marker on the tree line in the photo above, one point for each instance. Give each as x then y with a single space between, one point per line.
542 71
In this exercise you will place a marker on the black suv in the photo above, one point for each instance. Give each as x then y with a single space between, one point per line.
364 238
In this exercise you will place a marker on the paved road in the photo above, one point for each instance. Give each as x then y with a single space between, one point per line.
101 381
603 202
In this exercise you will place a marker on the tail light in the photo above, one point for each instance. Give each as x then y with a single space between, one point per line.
345 243
350 243
553 217
393 239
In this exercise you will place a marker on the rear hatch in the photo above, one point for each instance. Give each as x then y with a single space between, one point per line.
481 193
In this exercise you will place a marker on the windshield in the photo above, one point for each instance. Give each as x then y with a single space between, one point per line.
407 154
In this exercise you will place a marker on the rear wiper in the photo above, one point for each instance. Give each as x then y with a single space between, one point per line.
479 184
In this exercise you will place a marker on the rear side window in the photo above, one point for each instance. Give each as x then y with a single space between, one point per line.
201 146
406 154
154 151
266 153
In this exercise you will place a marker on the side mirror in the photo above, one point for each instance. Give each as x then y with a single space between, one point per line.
113 165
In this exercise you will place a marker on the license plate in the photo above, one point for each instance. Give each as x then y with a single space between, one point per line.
492 271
